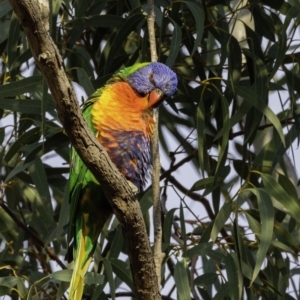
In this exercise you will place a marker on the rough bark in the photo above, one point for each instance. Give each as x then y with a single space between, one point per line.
125 205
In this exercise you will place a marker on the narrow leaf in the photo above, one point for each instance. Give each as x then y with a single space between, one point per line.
62 275
248 94
168 224
197 12
122 270
220 220
26 85
85 81
232 273
275 190
266 212
181 281
206 279
109 275
175 45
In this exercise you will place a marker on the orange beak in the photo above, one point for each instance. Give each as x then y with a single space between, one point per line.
155 97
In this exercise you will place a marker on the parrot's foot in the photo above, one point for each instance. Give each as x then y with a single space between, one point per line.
134 188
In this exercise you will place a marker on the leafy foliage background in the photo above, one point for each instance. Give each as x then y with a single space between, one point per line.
233 232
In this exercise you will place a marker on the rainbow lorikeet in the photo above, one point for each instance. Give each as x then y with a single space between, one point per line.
120 114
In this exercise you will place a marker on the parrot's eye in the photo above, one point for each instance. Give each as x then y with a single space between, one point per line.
151 77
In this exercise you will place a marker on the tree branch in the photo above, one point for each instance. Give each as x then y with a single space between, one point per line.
158 254
120 196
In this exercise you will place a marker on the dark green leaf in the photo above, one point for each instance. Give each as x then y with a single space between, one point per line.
39 178
205 249
274 189
168 224
122 270
183 230
104 21
85 81
248 94
28 137
209 183
206 279
5 8
62 275
220 220
197 12
26 85
266 212
232 277
182 281
175 45
109 276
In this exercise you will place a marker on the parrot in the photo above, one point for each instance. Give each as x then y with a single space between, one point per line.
120 115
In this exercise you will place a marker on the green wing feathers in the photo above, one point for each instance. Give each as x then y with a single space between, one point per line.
89 212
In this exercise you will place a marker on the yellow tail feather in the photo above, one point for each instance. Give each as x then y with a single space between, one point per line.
77 281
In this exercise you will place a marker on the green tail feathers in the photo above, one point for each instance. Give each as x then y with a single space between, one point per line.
80 268
86 223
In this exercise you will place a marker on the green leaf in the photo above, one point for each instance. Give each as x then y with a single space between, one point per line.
22 291
232 273
183 230
285 237
109 275
223 147
13 42
93 278
182 281
53 142
62 275
147 201
248 94
8 281
274 189
205 249
220 220
293 12
234 60
222 292
5 8
266 212
117 243
175 44
20 167
24 57
28 137
39 178
261 89
122 270
22 106
197 12
276 4
209 183
206 279
85 81
121 36
103 21
288 186
168 224
239 114
64 214
26 85
202 148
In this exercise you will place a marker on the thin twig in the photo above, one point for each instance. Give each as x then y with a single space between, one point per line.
158 255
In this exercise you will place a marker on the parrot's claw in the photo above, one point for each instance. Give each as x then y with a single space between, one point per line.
133 187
